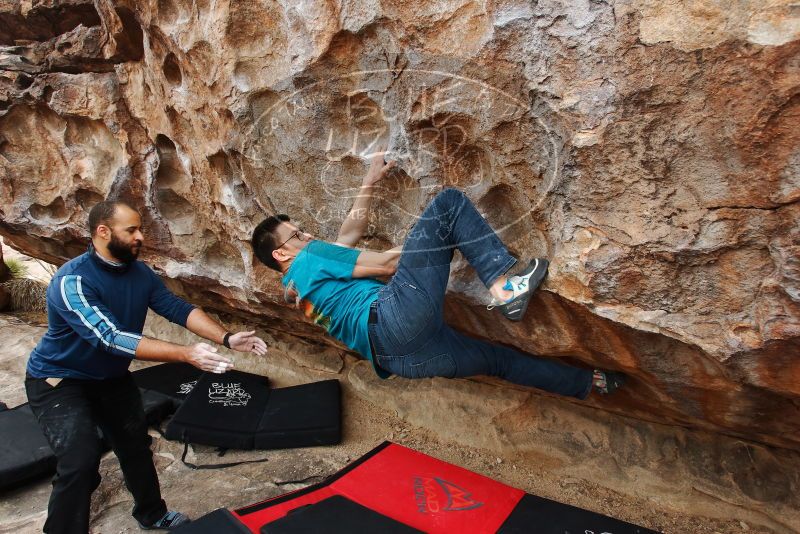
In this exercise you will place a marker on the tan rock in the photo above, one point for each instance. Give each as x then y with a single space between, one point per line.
665 477
5 273
708 23
649 149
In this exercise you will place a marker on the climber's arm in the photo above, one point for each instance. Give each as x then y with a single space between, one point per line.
355 224
371 263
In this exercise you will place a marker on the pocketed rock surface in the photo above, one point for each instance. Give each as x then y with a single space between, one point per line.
674 481
650 150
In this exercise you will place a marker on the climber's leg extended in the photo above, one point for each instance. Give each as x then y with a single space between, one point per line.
451 354
450 222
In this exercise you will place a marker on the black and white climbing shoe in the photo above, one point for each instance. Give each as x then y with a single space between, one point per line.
522 285
607 382
170 521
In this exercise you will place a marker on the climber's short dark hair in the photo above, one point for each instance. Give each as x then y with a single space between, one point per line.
103 212
264 242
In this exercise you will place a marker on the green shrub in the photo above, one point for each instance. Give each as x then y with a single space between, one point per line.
17 268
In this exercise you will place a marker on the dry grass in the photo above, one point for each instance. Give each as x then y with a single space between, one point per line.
27 294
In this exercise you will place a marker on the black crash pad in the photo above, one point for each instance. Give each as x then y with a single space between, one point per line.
301 416
25 454
238 410
336 515
219 521
553 517
164 387
222 410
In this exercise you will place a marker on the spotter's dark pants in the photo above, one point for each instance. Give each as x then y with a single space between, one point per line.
69 414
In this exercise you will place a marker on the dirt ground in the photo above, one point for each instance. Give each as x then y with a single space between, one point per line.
365 426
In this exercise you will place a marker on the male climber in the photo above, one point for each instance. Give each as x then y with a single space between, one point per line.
399 325
77 376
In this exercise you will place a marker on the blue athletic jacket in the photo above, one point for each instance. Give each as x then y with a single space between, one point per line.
95 314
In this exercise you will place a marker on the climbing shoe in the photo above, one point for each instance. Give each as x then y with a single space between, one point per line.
522 285
170 521
607 382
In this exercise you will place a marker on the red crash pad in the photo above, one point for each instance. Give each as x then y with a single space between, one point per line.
434 496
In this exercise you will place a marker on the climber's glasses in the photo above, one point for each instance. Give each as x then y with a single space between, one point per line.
299 234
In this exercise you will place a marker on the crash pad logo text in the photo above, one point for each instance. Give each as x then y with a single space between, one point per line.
433 495
228 394
187 387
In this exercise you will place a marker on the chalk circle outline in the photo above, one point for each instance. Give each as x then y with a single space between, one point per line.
553 139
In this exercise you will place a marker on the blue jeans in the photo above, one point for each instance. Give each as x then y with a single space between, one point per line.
411 339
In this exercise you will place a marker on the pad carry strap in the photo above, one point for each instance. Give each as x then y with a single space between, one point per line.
220 452
214 466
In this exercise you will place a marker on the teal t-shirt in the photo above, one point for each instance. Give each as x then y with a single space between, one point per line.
322 274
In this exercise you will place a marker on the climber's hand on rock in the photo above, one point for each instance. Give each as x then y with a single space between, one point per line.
378 167
205 357
248 342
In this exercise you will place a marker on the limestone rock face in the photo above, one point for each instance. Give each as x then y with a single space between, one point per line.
5 274
651 150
